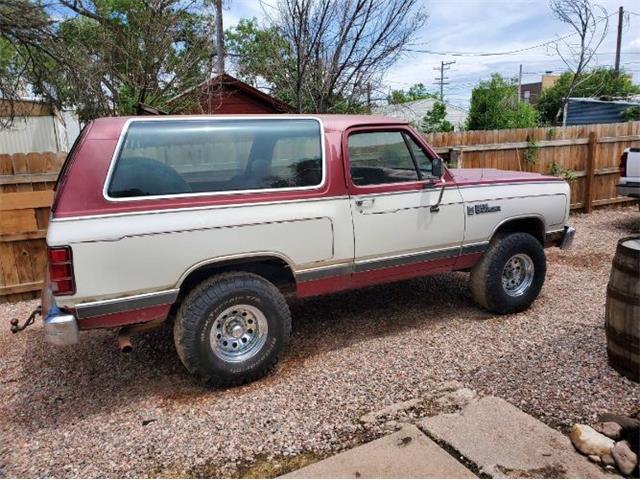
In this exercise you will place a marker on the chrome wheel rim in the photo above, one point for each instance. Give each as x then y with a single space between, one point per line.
517 275
238 333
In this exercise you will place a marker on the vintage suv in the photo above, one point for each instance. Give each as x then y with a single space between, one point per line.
211 221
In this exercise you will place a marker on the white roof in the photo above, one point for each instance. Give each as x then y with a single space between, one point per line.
414 111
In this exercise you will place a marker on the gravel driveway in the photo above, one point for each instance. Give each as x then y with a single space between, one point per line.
91 411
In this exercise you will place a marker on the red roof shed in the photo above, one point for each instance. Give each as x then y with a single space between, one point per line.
227 94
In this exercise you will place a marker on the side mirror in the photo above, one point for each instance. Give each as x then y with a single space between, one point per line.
437 169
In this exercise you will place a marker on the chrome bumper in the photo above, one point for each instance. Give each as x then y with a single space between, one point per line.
567 237
60 328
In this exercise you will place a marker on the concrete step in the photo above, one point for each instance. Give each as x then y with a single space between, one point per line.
503 441
407 453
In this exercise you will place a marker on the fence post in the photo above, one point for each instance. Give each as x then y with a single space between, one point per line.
587 203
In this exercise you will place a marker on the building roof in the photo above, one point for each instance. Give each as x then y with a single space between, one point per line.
413 112
227 81
585 111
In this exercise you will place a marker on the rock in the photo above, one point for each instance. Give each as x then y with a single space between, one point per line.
612 430
457 399
594 458
608 459
590 442
390 410
625 458
627 423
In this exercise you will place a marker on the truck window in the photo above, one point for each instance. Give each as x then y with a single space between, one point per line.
171 157
380 157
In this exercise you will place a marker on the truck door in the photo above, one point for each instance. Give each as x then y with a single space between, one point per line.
397 234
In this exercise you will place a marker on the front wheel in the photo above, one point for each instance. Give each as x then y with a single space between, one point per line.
231 328
510 275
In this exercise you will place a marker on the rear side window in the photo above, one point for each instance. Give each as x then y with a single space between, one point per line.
172 157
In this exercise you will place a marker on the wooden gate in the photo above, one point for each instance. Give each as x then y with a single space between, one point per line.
26 192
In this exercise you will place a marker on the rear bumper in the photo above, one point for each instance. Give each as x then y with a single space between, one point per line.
629 189
562 239
60 328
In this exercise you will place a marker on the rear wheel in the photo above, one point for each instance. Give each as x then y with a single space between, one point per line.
232 328
510 275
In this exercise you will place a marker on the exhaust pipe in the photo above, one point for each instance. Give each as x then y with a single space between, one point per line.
124 334
124 342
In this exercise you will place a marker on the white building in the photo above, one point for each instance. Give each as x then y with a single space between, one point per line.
414 111
37 127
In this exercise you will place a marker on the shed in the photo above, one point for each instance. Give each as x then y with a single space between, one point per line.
585 111
226 94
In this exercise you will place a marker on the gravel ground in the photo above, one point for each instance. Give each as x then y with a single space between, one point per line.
90 411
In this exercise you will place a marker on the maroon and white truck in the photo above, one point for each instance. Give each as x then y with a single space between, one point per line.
212 221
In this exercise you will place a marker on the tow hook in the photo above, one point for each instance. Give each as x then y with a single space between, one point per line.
15 327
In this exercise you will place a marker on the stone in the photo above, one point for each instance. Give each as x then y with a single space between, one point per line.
590 442
608 459
625 458
594 458
407 453
627 423
390 411
505 442
457 398
612 430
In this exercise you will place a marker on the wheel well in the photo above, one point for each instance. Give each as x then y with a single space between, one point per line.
274 269
531 225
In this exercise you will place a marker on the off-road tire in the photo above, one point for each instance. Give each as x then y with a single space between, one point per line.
486 276
196 316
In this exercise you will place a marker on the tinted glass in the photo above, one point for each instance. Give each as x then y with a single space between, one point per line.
380 157
424 162
192 156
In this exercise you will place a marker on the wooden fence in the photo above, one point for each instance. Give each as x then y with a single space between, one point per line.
592 152
26 191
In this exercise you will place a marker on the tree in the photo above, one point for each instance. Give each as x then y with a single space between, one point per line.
326 55
106 56
600 82
590 23
416 92
495 105
436 120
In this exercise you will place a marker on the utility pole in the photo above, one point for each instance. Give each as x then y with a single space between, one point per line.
441 80
619 40
219 39
520 84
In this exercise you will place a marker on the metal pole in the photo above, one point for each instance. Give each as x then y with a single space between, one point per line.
619 40
520 84
219 39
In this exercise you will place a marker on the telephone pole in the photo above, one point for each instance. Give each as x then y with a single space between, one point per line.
520 84
441 79
619 39
219 39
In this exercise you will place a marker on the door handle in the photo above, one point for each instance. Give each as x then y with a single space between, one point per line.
365 202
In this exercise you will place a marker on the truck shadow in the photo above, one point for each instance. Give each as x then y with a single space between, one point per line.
66 385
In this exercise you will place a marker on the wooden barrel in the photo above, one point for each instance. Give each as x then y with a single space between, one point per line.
623 309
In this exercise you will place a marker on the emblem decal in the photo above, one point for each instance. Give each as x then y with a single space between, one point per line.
482 208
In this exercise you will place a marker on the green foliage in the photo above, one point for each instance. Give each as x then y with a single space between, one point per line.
631 114
531 153
557 170
416 92
495 106
600 82
435 120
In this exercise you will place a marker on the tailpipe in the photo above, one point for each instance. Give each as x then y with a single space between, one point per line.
124 334
124 342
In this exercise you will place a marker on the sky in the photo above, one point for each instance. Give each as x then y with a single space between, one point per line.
483 26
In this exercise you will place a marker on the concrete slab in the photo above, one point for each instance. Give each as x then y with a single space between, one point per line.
503 441
407 453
